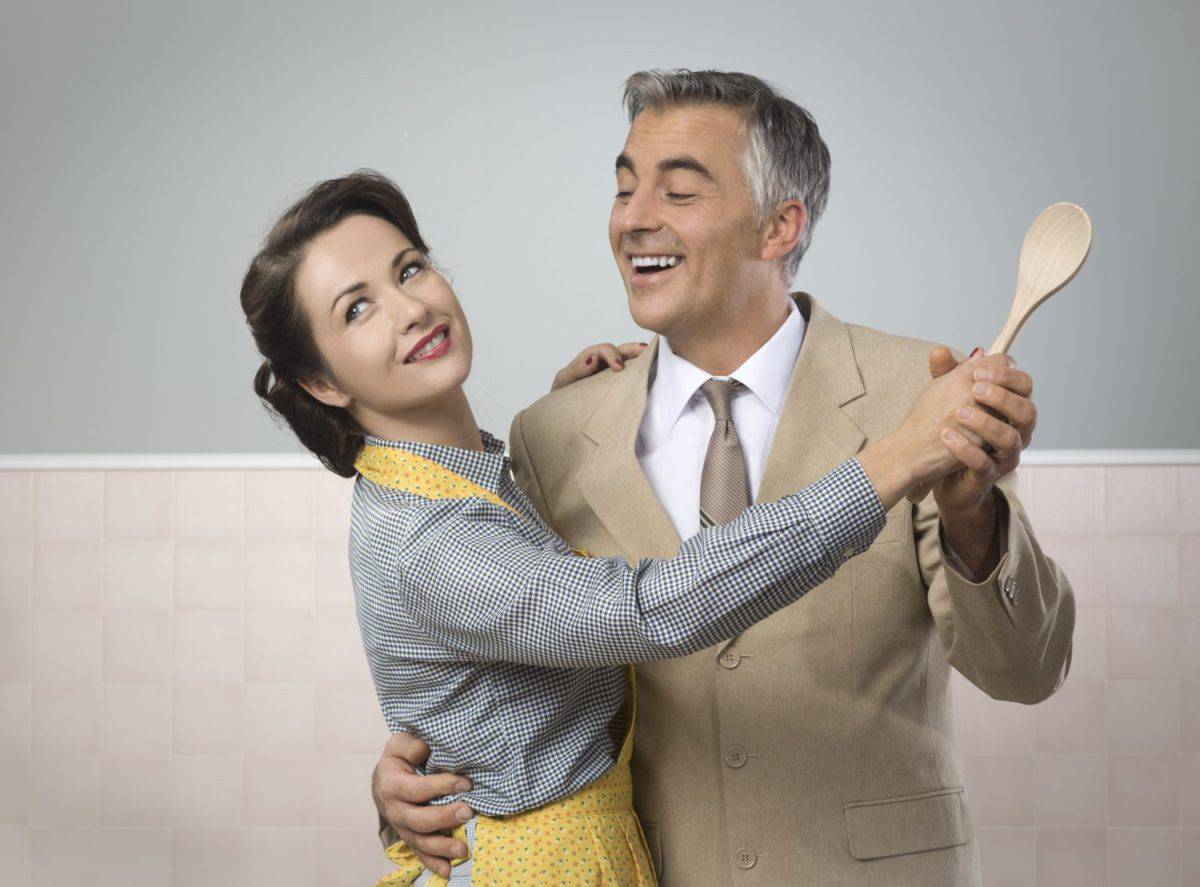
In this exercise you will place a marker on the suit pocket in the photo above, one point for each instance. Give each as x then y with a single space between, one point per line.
908 824
654 845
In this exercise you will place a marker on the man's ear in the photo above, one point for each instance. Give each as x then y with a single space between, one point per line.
324 391
784 229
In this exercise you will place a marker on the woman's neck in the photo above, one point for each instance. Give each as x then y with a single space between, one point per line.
448 422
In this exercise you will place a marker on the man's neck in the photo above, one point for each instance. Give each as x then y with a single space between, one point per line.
722 345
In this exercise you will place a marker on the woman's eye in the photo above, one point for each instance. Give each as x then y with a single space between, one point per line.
410 270
350 313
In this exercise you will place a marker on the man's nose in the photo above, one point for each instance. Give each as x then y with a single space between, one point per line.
640 213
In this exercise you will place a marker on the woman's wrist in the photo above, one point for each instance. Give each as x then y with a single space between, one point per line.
889 468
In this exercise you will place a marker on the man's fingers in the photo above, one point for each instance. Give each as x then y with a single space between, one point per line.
441 850
406 747
974 458
1018 410
429 818
414 788
1005 440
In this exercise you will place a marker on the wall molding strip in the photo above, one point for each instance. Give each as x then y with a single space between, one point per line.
293 461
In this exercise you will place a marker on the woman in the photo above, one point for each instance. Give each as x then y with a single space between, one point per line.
487 635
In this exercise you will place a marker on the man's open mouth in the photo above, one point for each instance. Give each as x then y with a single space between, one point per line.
648 266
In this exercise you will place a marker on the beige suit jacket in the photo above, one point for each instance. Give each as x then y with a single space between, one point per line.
816 748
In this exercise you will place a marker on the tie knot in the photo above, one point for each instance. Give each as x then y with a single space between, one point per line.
720 394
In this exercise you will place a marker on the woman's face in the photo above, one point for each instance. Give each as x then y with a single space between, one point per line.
388 325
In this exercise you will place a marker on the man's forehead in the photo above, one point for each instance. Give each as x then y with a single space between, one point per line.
695 129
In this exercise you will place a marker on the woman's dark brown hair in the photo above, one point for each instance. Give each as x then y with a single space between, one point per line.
277 319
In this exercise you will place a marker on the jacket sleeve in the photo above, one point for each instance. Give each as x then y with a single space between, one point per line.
1010 633
522 466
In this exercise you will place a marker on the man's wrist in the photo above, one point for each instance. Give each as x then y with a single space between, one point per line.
971 532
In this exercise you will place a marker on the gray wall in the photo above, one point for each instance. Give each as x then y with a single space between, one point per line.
148 146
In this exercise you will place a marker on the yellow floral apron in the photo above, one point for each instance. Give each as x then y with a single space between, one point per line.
590 837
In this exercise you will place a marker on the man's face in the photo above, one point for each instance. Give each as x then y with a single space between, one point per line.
682 198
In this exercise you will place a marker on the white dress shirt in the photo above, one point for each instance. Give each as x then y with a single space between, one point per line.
678 422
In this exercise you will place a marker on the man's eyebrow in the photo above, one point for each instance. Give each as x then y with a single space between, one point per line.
690 164
623 162
355 287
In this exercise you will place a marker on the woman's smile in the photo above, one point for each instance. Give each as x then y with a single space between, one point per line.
431 346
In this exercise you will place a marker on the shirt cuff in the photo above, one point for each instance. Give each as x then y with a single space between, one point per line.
845 509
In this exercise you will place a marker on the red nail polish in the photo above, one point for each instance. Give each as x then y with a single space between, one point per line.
977 350
588 361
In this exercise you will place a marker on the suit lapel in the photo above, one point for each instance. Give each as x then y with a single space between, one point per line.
814 434
611 478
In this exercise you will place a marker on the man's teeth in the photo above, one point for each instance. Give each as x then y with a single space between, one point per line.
655 261
433 343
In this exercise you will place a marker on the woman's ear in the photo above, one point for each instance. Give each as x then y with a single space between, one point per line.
328 394
784 229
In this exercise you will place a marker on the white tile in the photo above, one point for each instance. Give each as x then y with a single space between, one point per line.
206 791
135 857
64 791
335 591
208 719
209 574
65 855
66 647
1142 498
137 646
14 856
1081 558
1143 644
280 503
1142 571
277 790
1008 855
138 505
1072 858
1189 791
1143 716
333 494
209 504
1189 498
1146 857
69 505
204 857
1072 791
350 857
135 791
279 646
340 654
279 718
67 575
343 794
1069 500
277 856
16 718
14 790
1089 645
16 517
280 575
349 720
66 718
15 642
208 645
16 574
136 719
1189 570
1143 790
1073 719
138 574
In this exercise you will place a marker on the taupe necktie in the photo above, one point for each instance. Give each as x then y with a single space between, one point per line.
724 483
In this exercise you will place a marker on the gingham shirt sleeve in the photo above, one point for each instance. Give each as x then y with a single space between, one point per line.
484 593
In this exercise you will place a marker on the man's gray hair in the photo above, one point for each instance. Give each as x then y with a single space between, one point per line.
785 157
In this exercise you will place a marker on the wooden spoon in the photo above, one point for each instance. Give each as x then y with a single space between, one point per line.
1055 248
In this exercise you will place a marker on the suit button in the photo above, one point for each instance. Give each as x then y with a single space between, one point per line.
745 858
1010 590
735 757
730 659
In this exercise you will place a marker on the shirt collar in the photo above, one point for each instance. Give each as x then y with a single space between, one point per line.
766 372
484 468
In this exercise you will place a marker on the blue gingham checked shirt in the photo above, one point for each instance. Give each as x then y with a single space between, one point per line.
504 651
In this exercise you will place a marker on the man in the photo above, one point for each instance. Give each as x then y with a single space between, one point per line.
816 748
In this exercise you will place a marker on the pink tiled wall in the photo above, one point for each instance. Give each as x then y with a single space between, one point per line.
184 699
